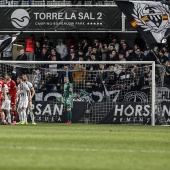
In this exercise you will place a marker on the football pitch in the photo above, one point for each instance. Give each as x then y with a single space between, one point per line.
84 147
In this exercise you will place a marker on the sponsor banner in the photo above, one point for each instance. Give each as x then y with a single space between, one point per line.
128 113
60 19
134 113
108 105
54 112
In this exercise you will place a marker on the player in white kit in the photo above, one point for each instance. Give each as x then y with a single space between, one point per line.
24 97
6 104
32 91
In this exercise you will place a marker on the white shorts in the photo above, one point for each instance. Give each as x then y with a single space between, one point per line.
6 105
23 104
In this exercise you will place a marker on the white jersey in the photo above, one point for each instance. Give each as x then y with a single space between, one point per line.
23 91
6 89
29 84
7 103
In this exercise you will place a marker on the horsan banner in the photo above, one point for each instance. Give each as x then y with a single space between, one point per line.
96 107
60 19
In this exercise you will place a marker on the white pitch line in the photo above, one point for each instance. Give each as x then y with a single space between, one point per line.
88 150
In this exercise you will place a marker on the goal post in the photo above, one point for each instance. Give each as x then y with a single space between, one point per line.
153 95
128 78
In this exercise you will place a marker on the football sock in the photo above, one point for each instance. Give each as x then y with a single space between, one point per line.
24 115
32 115
15 115
20 115
9 118
5 115
69 115
2 116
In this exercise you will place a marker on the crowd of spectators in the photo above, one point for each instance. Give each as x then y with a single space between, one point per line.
108 48
46 2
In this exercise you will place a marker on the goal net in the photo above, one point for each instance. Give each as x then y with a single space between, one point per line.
104 92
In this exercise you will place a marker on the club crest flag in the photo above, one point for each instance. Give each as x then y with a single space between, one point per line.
151 19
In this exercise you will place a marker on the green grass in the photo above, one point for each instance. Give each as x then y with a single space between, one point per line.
84 147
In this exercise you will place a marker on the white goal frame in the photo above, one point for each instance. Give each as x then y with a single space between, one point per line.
152 63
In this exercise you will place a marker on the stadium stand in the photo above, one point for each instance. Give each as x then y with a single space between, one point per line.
62 2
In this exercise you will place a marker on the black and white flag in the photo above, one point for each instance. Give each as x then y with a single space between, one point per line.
6 40
150 18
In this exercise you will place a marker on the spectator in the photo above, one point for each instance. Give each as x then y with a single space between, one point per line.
69 41
124 77
117 69
93 2
30 46
103 49
38 50
122 56
29 1
111 47
130 55
135 47
72 49
44 54
145 80
73 57
124 48
47 44
17 71
8 2
150 56
101 75
122 41
161 57
167 74
97 55
116 44
22 56
54 55
139 56
41 40
111 78
62 49
91 82
89 51
81 54
51 75
85 46
37 82
96 43
166 53
79 74
92 66
79 47
81 58
62 74
112 56
74 2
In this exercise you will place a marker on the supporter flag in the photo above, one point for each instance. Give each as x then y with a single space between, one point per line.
150 18
6 40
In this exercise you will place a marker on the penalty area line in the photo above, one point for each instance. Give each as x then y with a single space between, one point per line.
88 149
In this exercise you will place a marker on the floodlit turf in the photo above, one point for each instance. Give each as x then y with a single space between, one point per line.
77 146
